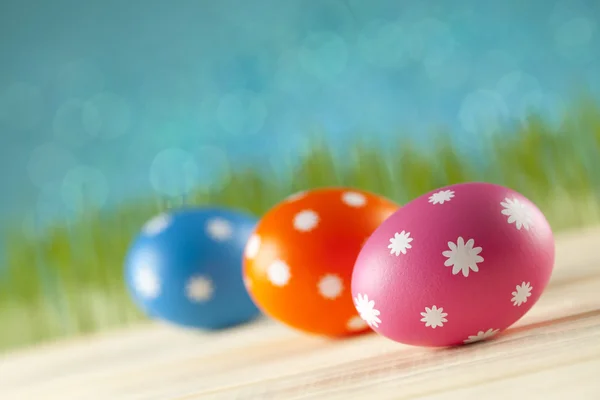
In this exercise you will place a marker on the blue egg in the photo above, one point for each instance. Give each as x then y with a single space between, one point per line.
185 268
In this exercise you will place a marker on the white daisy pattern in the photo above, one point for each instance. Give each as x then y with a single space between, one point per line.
463 257
366 309
441 197
521 293
146 282
253 246
354 199
306 221
219 229
400 243
356 323
157 225
481 335
434 317
517 212
199 289
279 273
330 286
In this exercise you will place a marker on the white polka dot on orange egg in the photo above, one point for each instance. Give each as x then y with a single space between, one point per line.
306 221
330 286
279 273
253 246
354 199
356 323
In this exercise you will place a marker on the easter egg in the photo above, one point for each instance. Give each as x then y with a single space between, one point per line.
185 268
454 266
298 262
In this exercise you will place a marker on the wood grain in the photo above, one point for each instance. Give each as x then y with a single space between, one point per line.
552 353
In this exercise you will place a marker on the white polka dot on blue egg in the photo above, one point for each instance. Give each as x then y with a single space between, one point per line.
185 268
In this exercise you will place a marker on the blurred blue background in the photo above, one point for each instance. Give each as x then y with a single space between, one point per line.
119 97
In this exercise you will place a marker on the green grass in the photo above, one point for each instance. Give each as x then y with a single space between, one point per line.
69 280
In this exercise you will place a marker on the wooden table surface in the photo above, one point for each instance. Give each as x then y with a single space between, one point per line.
552 353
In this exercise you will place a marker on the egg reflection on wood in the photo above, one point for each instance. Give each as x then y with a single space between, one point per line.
185 268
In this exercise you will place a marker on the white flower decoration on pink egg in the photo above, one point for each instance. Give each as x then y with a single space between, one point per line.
366 309
441 197
400 243
434 317
454 266
521 293
463 257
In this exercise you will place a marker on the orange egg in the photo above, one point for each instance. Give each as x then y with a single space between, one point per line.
298 262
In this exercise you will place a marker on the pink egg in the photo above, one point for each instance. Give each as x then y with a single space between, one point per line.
456 265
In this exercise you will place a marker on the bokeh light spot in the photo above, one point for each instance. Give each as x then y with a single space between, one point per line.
205 113
573 38
548 104
491 67
384 44
174 172
576 32
324 14
167 92
50 207
291 77
430 36
80 78
21 106
242 113
448 69
515 82
84 186
565 10
324 55
214 169
67 124
49 163
106 115
513 86
482 111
